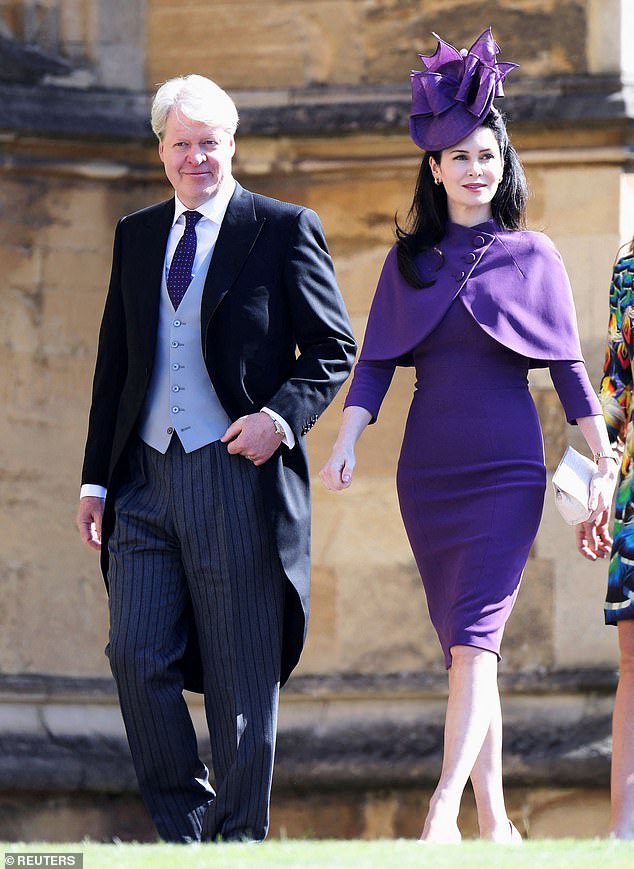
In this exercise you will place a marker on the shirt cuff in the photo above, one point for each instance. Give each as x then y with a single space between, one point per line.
289 437
91 490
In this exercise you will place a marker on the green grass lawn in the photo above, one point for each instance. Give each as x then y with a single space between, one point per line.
299 854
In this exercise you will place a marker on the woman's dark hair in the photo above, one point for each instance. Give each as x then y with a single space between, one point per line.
428 215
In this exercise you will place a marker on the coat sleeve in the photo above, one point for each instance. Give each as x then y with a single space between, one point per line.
110 374
322 330
370 384
574 389
615 392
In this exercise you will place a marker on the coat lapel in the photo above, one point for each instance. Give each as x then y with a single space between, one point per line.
238 233
147 271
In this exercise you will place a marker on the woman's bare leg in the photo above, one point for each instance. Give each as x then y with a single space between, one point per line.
486 779
473 694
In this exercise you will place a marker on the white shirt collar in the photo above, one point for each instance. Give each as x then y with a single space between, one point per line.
213 208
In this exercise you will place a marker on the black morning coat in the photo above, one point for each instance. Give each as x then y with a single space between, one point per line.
274 332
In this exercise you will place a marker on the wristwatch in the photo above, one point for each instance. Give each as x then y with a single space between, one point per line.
601 455
279 428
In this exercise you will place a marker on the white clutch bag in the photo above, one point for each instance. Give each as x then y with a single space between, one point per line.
571 482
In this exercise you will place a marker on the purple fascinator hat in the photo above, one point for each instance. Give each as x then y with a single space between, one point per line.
453 95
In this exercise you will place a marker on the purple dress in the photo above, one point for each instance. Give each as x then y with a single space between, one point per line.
471 475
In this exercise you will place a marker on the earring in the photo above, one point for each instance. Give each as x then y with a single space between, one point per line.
437 181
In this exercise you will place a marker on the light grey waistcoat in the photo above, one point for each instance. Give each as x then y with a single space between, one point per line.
180 397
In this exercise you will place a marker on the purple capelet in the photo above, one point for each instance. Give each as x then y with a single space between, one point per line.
514 284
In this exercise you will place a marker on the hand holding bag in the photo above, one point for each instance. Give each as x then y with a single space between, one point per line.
571 482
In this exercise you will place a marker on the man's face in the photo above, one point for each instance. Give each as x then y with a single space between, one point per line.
196 157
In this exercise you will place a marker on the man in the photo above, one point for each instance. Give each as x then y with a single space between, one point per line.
223 339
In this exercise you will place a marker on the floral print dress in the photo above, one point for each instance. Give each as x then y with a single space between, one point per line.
616 400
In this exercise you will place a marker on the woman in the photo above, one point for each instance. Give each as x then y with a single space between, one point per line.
593 539
472 301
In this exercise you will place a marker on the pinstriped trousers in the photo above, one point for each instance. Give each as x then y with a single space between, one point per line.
191 529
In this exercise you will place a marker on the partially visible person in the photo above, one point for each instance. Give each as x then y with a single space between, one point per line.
472 300
594 541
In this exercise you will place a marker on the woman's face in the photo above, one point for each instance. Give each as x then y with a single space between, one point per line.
471 172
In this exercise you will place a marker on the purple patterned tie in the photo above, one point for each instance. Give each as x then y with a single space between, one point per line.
180 273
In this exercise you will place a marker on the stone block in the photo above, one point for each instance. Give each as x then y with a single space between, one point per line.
578 813
354 217
120 33
82 271
576 192
332 32
74 818
589 259
78 218
379 815
607 21
553 423
70 326
321 653
529 32
57 630
316 816
363 518
357 275
626 227
20 318
580 637
386 626
240 56
21 266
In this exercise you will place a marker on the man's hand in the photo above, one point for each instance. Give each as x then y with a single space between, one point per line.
89 519
253 437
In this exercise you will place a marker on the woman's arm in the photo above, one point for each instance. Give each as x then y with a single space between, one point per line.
595 433
582 407
593 535
336 474
370 383
615 394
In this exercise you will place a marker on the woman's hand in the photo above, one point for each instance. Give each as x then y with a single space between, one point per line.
602 488
336 474
593 538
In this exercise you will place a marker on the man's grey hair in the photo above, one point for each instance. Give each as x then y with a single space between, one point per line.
197 98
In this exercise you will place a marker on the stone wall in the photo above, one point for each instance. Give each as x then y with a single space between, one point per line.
322 90
354 42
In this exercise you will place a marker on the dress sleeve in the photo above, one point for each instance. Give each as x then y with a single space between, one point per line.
370 383
574 389
615 392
